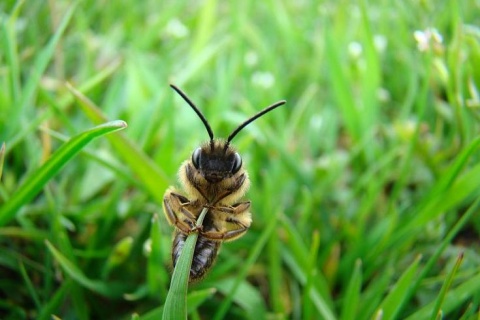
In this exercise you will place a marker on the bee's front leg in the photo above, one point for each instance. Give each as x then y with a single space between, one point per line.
175 207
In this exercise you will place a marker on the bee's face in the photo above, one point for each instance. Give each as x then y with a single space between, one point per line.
215 162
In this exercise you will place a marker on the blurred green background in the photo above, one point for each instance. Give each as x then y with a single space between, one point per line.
364 186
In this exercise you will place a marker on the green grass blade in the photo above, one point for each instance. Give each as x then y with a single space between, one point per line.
352 295
41 63
29 285
101 287
176 302
472 210
44 59
194 300
10 50
207 14
454 299
32 186
2 158
275 274
54 302
311 273
445 287
435 202
296 256
157 280
118 255
151 176
175 307
254 253
246 296
393 302
341 89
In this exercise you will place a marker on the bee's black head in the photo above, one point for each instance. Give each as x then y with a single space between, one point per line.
215 162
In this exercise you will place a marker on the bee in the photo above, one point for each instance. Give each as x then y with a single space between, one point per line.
214 178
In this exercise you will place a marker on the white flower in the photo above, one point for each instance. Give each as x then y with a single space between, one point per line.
176 28
147 247
380 42
383 95
355 49
251 58
428 39
263 79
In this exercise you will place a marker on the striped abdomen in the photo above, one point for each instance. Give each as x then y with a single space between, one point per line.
203 257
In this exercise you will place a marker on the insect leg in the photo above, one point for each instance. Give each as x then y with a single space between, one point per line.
237 215
226 235
237 208
228 191
175 204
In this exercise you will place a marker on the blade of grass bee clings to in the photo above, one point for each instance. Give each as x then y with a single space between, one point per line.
176 302
213 178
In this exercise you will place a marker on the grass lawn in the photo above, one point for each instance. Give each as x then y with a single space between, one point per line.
365 186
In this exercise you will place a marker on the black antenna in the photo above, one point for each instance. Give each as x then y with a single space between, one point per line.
248 121
197 111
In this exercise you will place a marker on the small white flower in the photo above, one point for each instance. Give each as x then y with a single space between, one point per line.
251 58
428 39
383 95
147 247
263 79
380 42
355 49
316 122
176 28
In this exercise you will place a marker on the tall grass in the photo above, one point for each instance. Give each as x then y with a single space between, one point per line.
364 187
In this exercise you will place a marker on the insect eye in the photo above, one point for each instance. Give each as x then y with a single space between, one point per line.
237 163
196 157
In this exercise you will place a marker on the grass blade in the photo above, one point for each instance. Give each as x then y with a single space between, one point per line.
352 296
2 158
53 303
176 302
41 63
147 171
455 298
473 209
393 302
255 252
446 285
194 300
32 186
101 287
157 280
246 296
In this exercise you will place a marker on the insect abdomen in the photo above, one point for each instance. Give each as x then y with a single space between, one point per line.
203 257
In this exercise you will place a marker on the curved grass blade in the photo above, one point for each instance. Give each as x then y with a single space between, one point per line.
144 167
446 285
34 183
2 158
246 296
176 302
393 302
253 256
424 312
453 299
352 295
54 301
157 280
25 104
194 300
110 290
